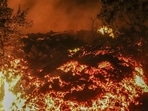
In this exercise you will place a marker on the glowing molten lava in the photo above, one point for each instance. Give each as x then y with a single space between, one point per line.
73 87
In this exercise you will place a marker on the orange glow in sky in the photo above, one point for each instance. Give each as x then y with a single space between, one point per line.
59 15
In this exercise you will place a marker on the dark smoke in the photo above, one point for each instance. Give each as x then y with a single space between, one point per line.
59 15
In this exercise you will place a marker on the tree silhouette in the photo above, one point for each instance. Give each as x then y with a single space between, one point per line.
10 25
125 14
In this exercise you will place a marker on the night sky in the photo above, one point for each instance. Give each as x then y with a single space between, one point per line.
58 15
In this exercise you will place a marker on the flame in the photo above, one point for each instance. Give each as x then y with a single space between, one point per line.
86 88
1 90
141 83
11 94
9 97
106 30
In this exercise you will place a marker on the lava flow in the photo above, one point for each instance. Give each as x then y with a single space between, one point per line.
74 86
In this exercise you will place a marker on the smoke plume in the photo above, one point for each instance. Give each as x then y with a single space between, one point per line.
59 15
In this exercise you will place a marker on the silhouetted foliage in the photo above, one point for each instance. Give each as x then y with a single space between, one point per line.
125 14
10 25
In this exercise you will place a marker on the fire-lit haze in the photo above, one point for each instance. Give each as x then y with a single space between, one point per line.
58 15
